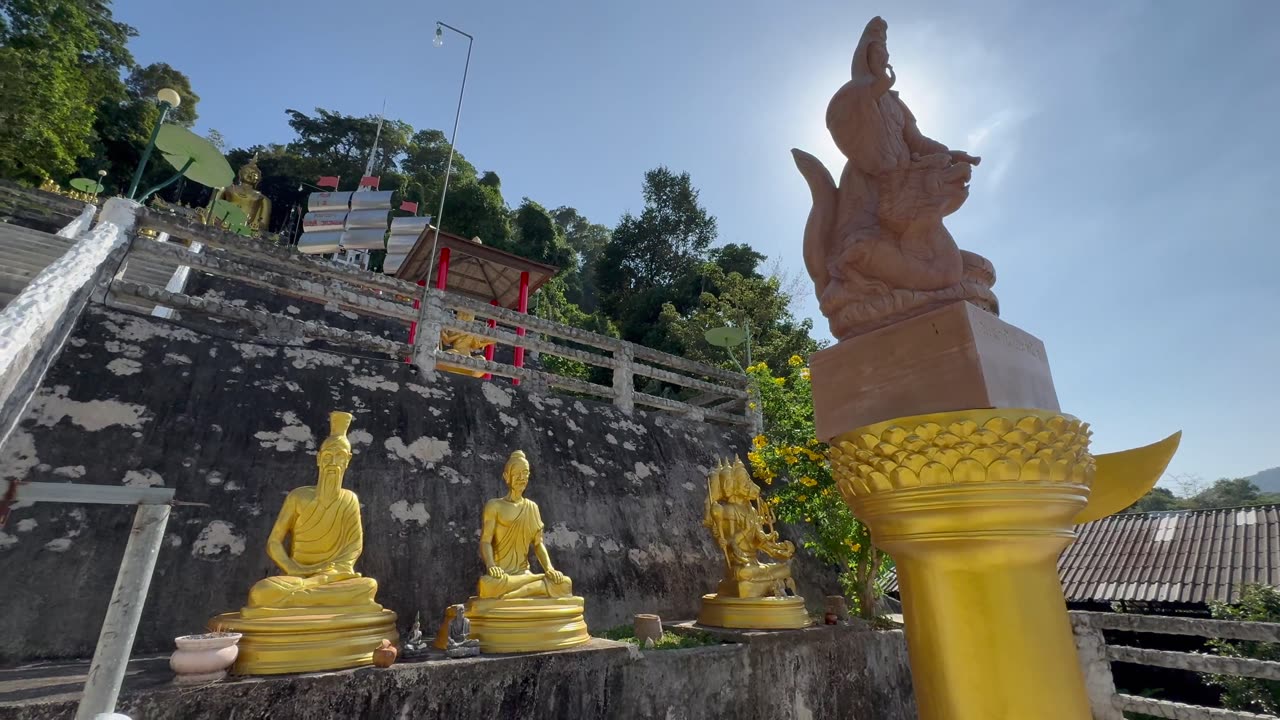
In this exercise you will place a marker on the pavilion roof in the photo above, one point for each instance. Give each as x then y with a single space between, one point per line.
479 271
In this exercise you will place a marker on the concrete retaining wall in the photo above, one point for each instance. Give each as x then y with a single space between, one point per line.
823 672
140 401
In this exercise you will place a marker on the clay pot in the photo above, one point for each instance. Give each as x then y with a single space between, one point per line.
204 658
385 655
648 629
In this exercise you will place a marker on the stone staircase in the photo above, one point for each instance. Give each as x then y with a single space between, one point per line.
24 253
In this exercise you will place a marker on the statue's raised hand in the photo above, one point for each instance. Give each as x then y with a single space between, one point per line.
962 156
496 572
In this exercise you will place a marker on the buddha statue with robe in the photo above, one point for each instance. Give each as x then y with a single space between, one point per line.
516 609
245 195
754 593
319 614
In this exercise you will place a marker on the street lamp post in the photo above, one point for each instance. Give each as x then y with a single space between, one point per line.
169 99
448 170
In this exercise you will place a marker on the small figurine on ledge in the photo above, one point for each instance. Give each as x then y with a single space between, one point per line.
414 645
461 644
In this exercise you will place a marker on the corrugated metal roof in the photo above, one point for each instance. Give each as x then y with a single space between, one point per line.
1191 556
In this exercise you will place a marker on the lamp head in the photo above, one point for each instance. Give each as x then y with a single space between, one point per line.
169 96
439 38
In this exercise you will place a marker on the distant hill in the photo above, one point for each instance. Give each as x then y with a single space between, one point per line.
1268 481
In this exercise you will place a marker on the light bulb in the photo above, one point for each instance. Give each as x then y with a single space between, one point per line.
169 95
439 39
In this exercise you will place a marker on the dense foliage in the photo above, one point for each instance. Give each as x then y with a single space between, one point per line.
1258 603
1225 493
791 464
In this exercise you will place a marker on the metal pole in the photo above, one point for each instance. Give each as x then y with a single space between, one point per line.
146 154
115 643
448 170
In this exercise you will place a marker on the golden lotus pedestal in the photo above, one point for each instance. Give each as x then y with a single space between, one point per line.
297 640
522 624
766 613
974 507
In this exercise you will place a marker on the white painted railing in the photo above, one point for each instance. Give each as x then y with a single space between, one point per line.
717 394
1096 657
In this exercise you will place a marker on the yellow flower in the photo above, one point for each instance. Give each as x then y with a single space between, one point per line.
791 459
751 405
802 498
795 361
774 500
857 547
779 381
808 519
754 458
808 481
812 442
768 480
804 373
759 441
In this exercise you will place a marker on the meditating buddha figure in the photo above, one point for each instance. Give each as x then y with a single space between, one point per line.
516 609
245 195
320 613
326 537
753 593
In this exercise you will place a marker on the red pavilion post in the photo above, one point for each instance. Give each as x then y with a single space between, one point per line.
524 310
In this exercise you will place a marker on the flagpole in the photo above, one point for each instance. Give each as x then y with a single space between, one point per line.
448 170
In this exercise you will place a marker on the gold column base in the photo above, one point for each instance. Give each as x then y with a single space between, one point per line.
974 507
308 641
767 613
523 624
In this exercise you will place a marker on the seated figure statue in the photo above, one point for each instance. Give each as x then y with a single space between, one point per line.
457 342
754 593
516 609
322 525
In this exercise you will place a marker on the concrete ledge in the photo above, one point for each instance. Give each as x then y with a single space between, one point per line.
823 671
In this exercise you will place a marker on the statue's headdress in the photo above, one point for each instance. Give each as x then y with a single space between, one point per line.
337 441
877 31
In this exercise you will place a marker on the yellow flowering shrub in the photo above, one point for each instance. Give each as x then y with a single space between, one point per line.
792 466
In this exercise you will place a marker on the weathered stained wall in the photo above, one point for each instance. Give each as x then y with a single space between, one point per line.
822 672
139 401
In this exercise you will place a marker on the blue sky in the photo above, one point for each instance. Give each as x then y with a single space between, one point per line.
1126 194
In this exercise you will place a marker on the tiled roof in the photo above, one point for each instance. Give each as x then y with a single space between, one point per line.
1192 556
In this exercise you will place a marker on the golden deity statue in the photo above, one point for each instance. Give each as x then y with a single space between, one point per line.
244 195
457 342
754 593
516 609
320 614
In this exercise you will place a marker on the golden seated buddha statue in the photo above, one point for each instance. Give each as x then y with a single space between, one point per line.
246 196
753 594
320 614
516 609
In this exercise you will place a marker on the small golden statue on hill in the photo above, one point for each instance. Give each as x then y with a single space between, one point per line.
320 613
245 195
753 593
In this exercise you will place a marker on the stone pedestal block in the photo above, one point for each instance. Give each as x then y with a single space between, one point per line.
957 357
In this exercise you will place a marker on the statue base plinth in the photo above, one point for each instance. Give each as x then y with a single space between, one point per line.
459 370
307 640
957 357
766 613
525 624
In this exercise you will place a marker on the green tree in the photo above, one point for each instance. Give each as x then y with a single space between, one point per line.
57 59
1226 493
145 82
587 240
341 144
475 210
538 237
1157 500
1258 603
750 300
